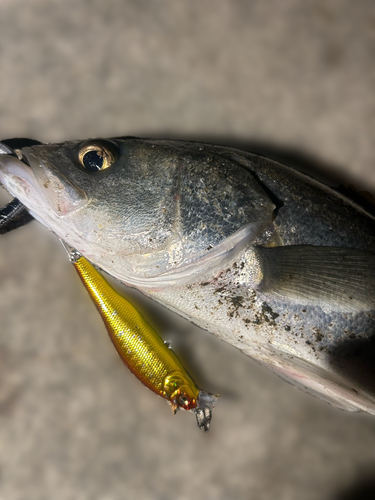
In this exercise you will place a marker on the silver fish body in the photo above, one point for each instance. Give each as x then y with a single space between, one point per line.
269 260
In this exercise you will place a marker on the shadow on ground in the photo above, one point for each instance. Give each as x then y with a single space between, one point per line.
363 489
355 359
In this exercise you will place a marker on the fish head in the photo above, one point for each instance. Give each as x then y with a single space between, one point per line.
150 213
186 397
181 391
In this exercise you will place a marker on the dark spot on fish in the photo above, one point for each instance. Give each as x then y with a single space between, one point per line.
209 247
205 283
237 301
219 290
318 334
246 320
267 311
303 310
308 342
287 328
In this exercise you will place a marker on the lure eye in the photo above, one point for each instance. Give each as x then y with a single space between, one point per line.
94 157
183 400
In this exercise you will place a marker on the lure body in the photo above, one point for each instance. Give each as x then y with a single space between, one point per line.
142 349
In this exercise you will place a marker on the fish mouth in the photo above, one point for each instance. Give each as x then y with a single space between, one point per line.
40 186
17 178
61 194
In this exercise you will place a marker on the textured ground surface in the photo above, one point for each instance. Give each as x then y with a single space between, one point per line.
296 78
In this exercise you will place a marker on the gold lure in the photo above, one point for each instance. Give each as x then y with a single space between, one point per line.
143 351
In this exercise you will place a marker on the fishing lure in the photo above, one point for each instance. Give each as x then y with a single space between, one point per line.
143 351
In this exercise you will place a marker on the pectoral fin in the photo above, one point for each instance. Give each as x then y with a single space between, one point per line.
342 279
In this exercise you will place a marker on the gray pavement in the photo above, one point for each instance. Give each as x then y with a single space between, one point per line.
296 78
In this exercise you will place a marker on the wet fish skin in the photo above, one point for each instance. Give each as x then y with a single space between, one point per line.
209 232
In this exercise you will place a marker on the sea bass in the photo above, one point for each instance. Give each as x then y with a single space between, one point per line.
269 260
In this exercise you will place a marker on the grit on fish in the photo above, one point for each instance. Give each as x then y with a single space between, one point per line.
266 258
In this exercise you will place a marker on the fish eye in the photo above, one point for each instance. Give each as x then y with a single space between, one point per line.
96 156
183 400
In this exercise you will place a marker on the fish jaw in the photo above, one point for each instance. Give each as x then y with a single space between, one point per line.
47 194
18 179
62 195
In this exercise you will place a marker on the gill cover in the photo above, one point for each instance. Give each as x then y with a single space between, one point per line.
205 208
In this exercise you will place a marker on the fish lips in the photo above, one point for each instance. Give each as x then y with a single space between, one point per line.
40 184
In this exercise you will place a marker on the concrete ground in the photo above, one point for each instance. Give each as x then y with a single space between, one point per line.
295 79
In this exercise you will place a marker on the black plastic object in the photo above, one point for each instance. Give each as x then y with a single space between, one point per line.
15 220
10 211
21 142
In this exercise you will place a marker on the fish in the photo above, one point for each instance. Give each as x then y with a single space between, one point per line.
264 257
141 348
